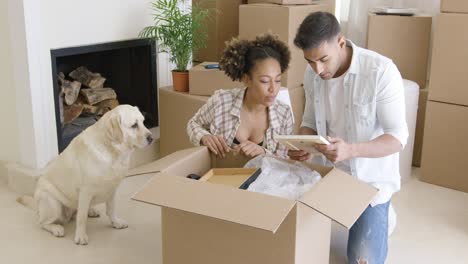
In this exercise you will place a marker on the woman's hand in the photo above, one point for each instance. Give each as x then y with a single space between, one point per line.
299 155
249 149
216 144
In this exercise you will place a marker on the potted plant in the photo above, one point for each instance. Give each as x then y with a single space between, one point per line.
178 32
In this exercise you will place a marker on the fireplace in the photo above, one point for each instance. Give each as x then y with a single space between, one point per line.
129 68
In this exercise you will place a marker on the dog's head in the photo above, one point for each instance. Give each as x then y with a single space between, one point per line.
124 126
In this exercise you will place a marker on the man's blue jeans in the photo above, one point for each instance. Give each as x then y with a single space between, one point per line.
368 236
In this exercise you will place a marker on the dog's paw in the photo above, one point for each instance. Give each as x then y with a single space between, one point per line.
56 230
81 239
119 224
93 212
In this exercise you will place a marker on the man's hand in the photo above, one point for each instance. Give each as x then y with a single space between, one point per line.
299 155
216 144
337 151
249 149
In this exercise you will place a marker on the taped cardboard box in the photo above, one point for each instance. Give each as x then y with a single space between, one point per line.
204 81
454 6
449 74
445 148
283 20
405 40
211 223
419 134
221 27
175 110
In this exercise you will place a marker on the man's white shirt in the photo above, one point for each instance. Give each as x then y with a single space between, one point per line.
361 105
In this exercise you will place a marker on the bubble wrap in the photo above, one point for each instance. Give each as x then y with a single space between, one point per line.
280 178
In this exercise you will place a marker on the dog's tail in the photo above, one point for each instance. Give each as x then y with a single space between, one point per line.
27 201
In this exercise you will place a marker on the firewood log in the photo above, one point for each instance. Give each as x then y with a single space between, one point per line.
96 95
71 112
88 78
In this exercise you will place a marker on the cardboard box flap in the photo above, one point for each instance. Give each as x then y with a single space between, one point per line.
340 197
218 201
165 162
232 160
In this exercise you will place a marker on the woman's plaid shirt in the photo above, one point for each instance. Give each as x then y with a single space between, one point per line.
221 116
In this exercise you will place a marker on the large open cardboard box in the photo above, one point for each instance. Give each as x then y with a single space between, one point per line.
212 223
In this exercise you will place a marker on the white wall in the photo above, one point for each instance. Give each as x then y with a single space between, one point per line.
36 27
106 20
9 140
67 24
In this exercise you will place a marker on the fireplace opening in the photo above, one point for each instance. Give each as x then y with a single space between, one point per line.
90 80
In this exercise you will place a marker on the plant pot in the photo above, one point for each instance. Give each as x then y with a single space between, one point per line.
180 81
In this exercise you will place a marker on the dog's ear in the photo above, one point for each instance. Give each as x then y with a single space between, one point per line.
114 128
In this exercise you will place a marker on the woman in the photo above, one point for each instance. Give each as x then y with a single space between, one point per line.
245 119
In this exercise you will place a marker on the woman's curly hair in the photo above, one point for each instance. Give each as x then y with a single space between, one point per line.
240 55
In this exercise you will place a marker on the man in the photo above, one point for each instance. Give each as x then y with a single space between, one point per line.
355 97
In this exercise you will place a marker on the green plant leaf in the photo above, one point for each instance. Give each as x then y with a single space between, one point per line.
177 31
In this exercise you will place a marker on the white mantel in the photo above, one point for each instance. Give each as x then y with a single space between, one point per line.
36 27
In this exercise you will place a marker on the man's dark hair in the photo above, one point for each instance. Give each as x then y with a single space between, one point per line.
315 29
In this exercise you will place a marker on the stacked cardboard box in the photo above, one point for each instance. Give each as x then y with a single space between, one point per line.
419 134
297 97
175 110
283 2
225 25
283 20
454 6
221 27
203 81
445 148
405 40
332 3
